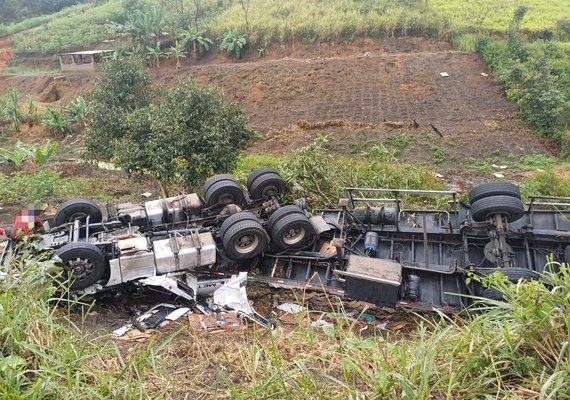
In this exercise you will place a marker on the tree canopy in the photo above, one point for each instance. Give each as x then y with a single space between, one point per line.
187 132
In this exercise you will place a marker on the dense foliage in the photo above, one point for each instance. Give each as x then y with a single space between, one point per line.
184 133
535 76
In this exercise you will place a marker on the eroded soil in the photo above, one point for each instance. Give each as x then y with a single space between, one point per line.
357 95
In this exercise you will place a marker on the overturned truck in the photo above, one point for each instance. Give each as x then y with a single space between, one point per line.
370 248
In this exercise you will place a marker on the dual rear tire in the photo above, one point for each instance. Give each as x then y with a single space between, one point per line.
496 198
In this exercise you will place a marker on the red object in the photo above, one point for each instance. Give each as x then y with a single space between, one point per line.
2 231
26 225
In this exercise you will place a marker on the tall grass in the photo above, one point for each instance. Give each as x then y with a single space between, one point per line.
320 175
516 349
46 355
330 20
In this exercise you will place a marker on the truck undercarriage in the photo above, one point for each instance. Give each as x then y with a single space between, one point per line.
370 248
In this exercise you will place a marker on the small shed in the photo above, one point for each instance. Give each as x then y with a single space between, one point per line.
82 61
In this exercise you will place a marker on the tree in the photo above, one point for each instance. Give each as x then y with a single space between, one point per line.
186 133
123 87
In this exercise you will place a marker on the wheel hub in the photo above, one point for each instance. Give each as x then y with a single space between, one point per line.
246 243
294 235
80 268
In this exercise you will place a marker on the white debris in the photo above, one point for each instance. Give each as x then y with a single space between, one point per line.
146 194
321 323
444 74
122 330
290 308
484 74
499 166
497 175
233 295
174 315
439 175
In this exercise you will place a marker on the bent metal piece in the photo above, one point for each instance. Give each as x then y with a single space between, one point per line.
420 258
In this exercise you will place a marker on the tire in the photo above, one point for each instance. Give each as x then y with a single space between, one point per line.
215 179
493 294
226 192
234 219
512 207
266 185
244 240
513 276
293 231
83 262
77 209
494 189
280 213
258 172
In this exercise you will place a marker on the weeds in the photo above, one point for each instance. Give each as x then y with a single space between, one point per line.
514 349
46 355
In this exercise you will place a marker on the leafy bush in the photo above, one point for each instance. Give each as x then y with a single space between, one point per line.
233 42
535 76
186 133
122 87
322 175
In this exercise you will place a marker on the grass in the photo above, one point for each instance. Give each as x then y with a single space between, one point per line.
23 70
74 28
328 20
494 16
516 349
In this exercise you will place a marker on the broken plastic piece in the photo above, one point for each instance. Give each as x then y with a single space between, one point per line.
290 308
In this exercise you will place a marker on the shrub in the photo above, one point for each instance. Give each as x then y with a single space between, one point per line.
185 133
233 42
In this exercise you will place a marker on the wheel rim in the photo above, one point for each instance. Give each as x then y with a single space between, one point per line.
294 235
226 199
269 191
246 244
82 216
80 268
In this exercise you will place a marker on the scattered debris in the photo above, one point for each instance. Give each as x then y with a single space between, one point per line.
435 130
146 194
290 308
228 321
444 74
497 175
439 175
484 74
499 166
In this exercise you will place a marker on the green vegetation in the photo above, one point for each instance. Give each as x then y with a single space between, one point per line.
186 133
494 16
71 29
516 349
288 21
46 355
233 43
513 349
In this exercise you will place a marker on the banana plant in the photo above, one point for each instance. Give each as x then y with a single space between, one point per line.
155 54
17 156
40 155
178 52
233 43
196 40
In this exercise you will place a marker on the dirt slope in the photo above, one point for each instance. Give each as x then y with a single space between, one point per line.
359 94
